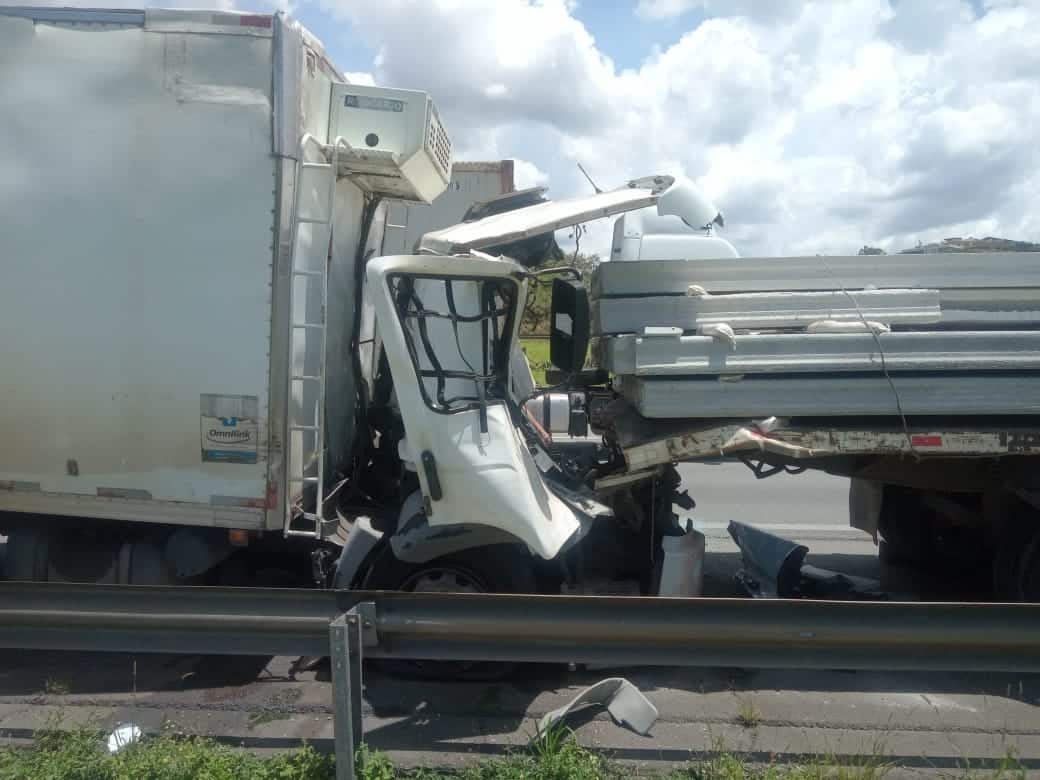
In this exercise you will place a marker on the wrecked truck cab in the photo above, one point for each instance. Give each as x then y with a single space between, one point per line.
449 326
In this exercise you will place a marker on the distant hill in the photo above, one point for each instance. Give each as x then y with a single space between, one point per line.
970 244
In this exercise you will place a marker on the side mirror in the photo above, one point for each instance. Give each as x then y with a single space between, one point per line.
569 326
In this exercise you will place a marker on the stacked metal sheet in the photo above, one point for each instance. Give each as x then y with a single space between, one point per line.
944 334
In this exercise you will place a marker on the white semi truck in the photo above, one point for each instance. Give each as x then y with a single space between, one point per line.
209 374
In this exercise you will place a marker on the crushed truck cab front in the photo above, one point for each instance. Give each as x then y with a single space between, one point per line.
449 322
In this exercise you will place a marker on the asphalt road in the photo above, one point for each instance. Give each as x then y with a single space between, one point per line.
935 724
810 508
812 502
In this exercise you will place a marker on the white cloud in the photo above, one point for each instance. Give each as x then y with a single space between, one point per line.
486 62
362 78
527 174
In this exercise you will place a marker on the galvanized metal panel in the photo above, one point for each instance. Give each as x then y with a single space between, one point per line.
757 397
953 272
138 200
764 310
807 352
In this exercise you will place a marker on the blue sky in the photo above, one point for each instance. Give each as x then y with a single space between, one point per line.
346 48
628 38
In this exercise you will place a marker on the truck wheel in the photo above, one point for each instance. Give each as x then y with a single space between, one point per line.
1028 589
27 554
1016 561
499 568
904 527
70 556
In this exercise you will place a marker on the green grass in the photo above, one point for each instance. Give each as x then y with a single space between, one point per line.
748 716
80 755
54 687
537 351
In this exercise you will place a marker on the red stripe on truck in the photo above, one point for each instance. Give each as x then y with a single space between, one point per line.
926 440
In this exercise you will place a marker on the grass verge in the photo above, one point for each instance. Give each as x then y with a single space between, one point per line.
81 755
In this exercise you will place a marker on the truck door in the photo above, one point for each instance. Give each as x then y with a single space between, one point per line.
448 325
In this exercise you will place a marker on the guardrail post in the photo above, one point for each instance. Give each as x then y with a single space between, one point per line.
345 658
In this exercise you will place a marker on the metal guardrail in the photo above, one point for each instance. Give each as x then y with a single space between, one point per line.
350 625
218 621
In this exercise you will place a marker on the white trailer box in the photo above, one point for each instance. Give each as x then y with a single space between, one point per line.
153 309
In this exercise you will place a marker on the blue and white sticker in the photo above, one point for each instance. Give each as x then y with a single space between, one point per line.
229 439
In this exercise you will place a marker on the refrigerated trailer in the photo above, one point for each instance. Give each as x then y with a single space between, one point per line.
185 197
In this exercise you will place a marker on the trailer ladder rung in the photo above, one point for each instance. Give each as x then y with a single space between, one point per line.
319 182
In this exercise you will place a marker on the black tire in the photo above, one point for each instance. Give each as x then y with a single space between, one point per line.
26 553
915 531
499 568
1028 584
905 528
1016 561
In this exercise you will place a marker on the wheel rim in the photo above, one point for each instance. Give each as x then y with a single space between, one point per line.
443 579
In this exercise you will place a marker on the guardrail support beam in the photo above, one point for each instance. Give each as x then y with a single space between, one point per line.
345 659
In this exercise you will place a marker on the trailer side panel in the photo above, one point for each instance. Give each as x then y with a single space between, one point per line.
138 203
